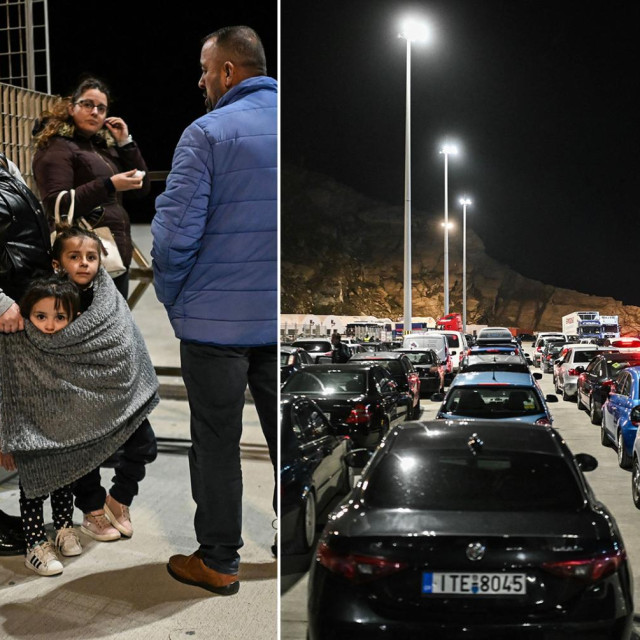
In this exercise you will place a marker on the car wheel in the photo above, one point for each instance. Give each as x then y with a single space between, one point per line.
307 527
635 482
595 412
417 411
624 460
555 385
604 438
579 401
566 397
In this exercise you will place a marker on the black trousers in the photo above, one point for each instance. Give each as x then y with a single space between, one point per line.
216 379
32 513
139 450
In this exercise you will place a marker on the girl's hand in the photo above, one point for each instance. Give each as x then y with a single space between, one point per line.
7 462
118 128
128 180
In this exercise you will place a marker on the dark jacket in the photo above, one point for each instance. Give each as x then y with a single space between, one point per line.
25 245
215 242
340 353
86 164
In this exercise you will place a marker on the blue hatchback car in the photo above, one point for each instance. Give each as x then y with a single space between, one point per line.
496 395
621 415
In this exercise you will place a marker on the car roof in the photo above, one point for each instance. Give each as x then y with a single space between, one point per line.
506 435
361 365
590 347
377 355
493 348
473 378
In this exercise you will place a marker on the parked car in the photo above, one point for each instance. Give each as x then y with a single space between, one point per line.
549 354
495 358
544 340
312 471
430 370
292 359
496 395
494 335
565 372
430 340
458 346
361 399
621 415
483 529
595 382
403 372
315 346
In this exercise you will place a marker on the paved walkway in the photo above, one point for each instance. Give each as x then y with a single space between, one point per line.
121 589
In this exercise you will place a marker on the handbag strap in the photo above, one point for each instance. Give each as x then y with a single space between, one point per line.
72 206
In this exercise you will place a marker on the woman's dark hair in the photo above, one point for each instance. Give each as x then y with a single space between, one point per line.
90 83
64 292
64 232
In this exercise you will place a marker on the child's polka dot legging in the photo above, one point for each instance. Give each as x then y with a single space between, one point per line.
33 514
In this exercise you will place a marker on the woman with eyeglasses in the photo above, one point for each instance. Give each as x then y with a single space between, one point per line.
79 146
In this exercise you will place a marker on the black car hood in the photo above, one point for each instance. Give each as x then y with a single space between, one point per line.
352 522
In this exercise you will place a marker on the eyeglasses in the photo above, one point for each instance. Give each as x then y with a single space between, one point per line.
90 105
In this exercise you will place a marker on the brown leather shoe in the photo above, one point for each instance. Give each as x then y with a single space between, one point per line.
192 570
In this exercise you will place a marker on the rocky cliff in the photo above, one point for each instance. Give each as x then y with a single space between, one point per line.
342 254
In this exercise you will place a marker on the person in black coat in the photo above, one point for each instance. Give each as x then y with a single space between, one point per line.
25 253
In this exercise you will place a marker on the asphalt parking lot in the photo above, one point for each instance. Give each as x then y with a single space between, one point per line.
611 484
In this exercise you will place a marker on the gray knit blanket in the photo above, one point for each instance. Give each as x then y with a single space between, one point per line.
69 400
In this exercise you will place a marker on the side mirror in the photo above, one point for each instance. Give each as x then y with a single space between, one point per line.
437 397
537 376
586 462
358 458
635 415
550 397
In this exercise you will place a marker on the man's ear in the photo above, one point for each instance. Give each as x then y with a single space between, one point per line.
228 70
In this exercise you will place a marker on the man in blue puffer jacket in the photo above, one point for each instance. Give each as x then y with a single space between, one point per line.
215 269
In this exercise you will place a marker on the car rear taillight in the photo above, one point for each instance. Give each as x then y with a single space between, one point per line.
538 348
589 569
356 568
544 421
360 414
607 383
573 372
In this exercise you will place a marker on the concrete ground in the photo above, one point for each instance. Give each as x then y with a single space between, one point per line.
122 589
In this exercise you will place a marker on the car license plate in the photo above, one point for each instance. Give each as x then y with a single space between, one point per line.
487 584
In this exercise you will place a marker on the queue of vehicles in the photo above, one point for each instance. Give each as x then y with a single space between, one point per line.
374 569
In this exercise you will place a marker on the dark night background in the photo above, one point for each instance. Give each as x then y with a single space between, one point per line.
539 95
149 55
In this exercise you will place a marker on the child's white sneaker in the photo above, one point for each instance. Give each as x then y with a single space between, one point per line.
42 559
68 542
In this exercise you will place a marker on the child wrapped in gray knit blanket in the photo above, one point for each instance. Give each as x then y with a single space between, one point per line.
70 399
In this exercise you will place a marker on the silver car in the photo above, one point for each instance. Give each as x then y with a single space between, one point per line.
572 360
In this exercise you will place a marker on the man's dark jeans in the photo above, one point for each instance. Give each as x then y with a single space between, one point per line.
216 379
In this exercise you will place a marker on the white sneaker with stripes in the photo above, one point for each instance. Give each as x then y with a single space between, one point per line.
42 559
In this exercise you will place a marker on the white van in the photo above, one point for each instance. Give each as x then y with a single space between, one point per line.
458 346
430 340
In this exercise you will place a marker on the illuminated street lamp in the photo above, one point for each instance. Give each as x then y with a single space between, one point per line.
446 150
465 202
412 31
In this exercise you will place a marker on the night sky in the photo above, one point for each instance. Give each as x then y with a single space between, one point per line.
539 95
148 52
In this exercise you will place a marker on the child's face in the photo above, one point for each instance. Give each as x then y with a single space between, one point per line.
47 318
80 259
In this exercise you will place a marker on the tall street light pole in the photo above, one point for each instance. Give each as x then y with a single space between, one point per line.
412 31
446 150
464 202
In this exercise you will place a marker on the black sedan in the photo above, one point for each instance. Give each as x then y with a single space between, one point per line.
431 372
312 471
471 530
362 400
292 359
594 382
404 373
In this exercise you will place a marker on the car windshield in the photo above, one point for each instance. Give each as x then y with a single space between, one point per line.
452 340
420 358
584 356
493 402
498 365
326 382
446 480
